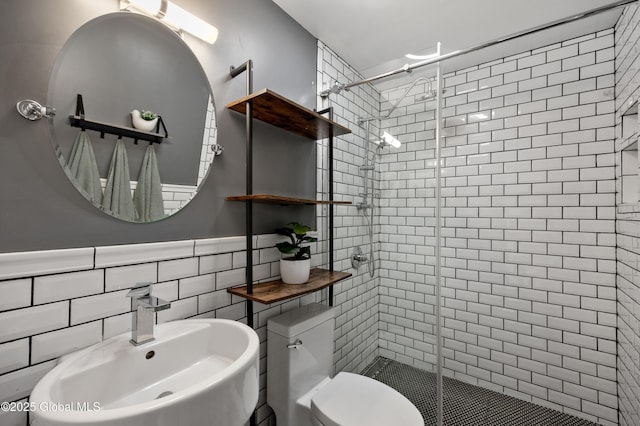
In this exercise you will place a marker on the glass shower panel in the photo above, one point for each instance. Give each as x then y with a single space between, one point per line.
396 197
408 245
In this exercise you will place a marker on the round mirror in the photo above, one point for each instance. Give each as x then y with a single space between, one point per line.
124 65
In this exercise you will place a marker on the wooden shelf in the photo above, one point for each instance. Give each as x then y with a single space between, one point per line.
277 291
281 200
274 109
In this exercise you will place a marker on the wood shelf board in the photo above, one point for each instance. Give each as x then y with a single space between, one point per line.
275 109
281 200
277 291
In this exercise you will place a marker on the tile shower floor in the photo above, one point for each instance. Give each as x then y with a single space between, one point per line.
464 404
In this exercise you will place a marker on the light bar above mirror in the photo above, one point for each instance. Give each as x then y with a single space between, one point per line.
174 17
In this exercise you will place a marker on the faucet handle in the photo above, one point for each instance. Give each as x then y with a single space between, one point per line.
140 290
154 303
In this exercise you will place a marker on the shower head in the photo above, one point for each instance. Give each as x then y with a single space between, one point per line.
387 140
429 95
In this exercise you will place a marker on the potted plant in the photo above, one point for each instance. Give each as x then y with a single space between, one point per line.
295 267
145 120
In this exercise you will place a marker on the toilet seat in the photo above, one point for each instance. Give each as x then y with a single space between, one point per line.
355 400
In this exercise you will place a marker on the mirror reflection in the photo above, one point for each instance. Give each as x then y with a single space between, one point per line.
134 73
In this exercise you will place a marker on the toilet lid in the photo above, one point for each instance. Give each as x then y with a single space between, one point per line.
355 400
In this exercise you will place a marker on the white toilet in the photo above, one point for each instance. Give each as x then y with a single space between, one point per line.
299 385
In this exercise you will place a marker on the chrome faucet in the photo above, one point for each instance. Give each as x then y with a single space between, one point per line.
144 306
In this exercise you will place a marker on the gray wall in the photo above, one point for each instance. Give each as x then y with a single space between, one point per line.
40 209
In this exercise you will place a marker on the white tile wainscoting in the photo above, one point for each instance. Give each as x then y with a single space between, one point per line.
58 301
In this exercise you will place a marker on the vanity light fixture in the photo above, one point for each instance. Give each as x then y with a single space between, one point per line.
174 17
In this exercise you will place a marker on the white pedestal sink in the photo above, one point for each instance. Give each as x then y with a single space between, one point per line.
197 372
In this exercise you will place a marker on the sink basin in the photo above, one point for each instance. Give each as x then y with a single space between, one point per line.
196 372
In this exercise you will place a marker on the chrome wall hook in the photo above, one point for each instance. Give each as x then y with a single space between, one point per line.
217 149
32 110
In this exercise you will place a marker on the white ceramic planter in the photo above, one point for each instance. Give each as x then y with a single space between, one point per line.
295 271
142 124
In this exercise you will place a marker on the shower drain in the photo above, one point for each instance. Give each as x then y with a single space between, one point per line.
163 394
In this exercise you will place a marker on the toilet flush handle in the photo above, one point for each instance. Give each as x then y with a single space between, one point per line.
295 345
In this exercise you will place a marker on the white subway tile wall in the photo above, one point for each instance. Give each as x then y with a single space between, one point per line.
627 38
528 237
356 299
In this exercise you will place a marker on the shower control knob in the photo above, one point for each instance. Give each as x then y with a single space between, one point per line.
357 258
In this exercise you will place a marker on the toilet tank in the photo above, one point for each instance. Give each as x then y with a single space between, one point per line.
293 372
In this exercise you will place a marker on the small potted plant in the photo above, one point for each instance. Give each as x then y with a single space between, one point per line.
145 120
295 266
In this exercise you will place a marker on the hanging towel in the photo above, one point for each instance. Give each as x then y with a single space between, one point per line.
148 194
117 198
83 169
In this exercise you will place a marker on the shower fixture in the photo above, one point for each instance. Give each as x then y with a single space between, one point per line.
358 258
336 88
386 139
428 95
366 206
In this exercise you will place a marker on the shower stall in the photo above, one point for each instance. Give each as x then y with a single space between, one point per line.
477 217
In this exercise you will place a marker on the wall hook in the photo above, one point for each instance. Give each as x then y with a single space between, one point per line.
217 149
32 110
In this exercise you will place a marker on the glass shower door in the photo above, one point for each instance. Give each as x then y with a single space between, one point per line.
409 253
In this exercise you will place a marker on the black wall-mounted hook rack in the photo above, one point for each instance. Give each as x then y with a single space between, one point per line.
79 120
